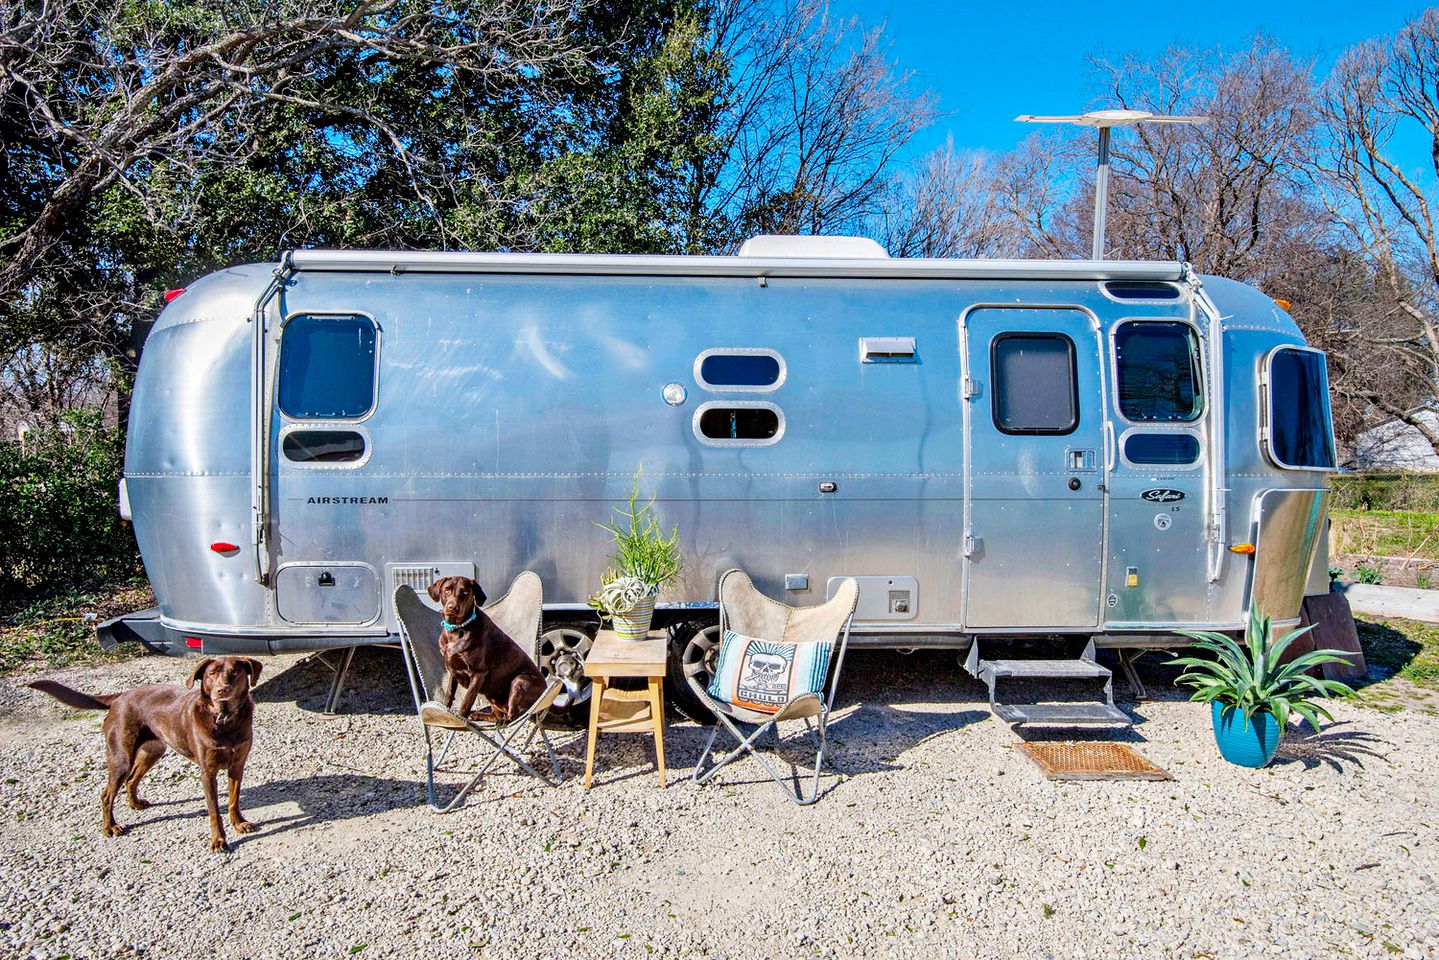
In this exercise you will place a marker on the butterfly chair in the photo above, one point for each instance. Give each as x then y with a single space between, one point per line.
517 613
772 666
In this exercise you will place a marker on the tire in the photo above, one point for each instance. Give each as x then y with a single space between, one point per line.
691 641
563 647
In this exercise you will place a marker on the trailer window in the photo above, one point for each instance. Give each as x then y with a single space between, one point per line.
739 424
1034 383
1300 436
327 367
323 446
1141 290
743 368
1157 372
1169 449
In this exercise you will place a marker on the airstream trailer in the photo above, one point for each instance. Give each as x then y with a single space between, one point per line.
1111 450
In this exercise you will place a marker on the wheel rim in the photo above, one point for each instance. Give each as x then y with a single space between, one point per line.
562 654
701 654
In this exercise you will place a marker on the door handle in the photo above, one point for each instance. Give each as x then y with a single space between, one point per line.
1109 447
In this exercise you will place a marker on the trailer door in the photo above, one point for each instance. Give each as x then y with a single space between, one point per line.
1034 464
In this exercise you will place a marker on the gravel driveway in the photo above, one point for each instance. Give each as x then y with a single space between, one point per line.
937 839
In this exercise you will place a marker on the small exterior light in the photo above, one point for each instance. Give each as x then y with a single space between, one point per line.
674 394
1242 548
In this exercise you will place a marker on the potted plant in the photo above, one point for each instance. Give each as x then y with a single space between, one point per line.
644 562
1251 694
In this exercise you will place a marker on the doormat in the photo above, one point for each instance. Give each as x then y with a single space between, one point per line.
1089 760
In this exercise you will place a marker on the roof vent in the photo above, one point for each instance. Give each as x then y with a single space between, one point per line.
815 248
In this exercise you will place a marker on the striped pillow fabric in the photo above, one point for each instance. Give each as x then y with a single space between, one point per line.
764 675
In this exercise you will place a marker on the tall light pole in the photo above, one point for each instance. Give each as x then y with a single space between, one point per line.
1105 120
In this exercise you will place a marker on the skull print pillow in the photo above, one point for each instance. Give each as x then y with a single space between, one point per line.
764 675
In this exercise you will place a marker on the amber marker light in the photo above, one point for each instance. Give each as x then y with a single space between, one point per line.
1242 548
1283 304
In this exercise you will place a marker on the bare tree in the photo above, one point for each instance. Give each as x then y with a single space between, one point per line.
1219 195
1376 92
946 206
814 115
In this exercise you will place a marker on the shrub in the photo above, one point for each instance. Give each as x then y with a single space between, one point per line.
1386 491
1368 575
61 525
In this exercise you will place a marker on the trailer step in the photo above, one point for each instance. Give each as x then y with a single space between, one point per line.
1043 669
1087 688
1065 714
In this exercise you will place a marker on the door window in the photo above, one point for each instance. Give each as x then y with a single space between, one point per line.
1034 383
327 367
1157 371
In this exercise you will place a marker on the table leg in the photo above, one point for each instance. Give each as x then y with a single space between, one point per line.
657 710
597 693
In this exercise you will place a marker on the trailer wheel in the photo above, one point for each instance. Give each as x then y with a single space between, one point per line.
691 642
563 648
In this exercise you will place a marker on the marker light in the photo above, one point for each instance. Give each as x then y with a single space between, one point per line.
193 643
172 294
1283 304
220 546
1242 548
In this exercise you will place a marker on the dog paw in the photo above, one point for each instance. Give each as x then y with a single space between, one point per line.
112 830
137 804
243 826
218 845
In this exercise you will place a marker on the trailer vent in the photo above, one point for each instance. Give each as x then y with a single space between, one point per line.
419 576
818 248
886 350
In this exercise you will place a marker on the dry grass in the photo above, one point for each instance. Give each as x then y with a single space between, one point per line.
59 630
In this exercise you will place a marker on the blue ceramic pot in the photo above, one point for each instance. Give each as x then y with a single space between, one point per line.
1248 744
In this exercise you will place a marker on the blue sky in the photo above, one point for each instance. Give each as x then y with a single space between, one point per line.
990 61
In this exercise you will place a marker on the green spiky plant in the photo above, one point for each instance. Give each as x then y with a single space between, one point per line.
642 548
1250 678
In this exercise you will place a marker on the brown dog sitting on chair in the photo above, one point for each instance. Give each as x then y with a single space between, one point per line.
211 726
480 657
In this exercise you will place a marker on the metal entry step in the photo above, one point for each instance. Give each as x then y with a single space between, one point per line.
1096 707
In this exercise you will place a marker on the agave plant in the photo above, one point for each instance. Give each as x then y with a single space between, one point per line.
1253 680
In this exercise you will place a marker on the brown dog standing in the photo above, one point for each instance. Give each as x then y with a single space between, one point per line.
210 726
480 656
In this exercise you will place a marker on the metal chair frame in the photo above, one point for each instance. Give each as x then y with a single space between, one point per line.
412 615
810 707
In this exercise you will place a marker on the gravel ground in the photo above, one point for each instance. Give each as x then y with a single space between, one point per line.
936 839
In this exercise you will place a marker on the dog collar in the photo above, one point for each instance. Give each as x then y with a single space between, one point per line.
452 627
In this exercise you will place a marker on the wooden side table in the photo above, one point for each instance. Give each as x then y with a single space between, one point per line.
626 711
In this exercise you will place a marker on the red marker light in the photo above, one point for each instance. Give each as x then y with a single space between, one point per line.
193 643
172 294
220 546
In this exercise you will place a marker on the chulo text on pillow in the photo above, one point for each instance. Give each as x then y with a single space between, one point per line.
764 675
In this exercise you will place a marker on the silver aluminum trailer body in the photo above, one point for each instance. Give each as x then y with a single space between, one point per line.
512 398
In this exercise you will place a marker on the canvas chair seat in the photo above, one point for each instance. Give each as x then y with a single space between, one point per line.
750 613
518 614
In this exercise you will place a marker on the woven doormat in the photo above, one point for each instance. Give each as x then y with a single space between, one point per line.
1087 760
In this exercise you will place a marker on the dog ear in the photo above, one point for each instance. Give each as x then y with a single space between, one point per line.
253 666
436 588
199 671
479 593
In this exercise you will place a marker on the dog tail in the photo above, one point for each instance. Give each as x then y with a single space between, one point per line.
74 698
